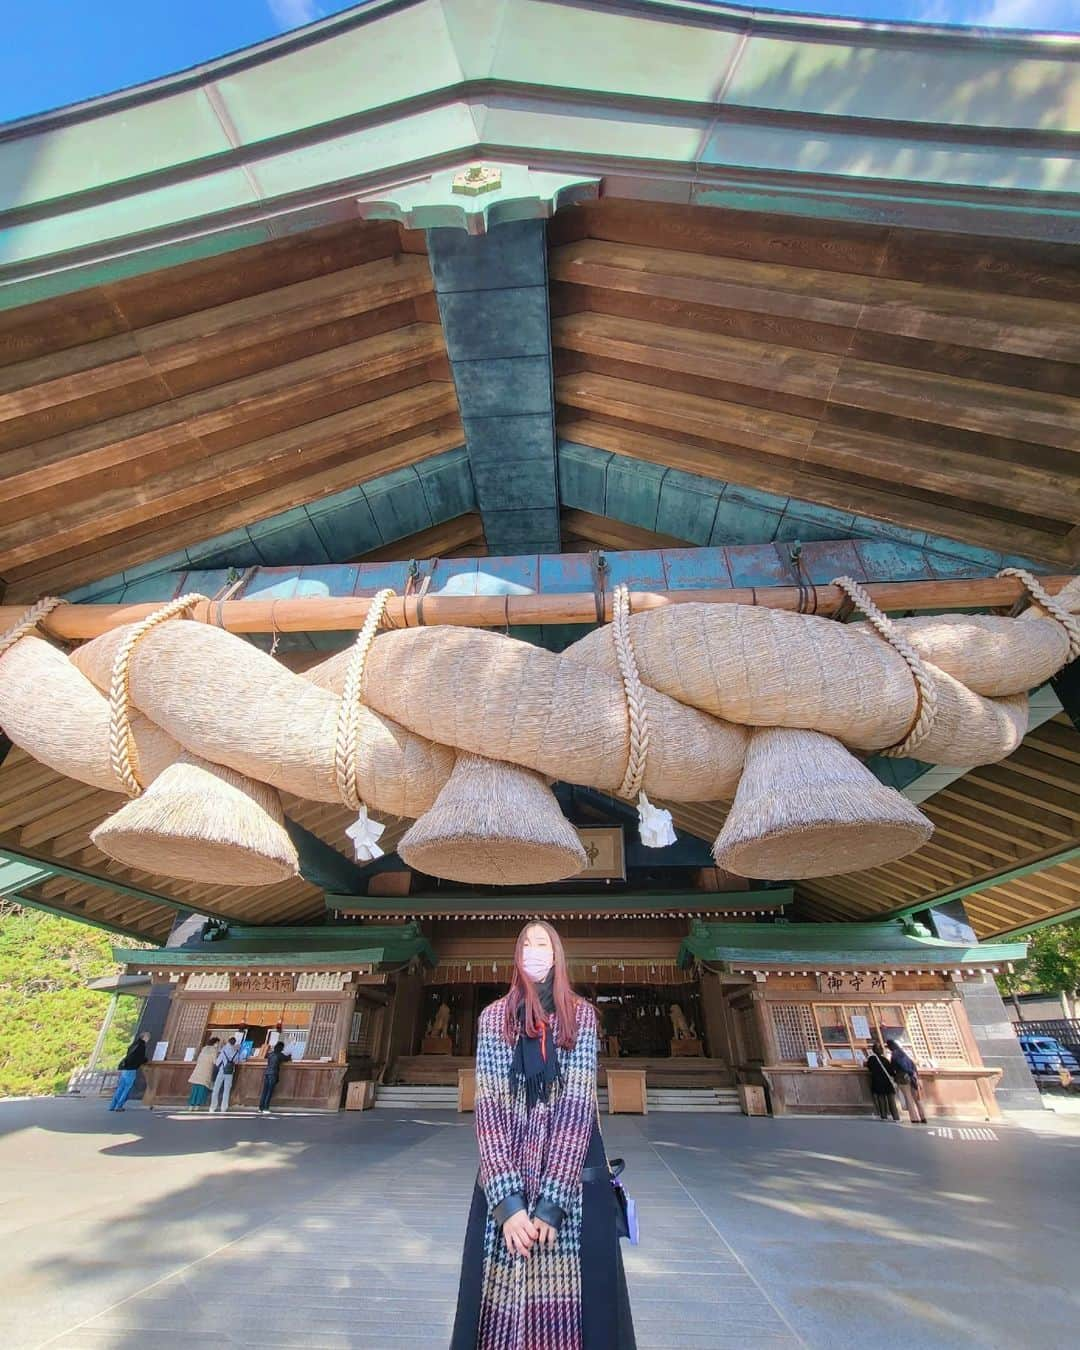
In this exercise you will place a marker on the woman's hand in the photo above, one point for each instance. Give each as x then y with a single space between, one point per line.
519 1233
545 1234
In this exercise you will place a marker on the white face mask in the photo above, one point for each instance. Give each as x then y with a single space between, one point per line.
537 961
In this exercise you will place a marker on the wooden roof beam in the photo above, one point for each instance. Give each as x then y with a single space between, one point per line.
987 883
76 622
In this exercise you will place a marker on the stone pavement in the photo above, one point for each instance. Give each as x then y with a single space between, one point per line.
346 1231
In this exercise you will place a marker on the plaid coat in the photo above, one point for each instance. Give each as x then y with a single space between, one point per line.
534 1302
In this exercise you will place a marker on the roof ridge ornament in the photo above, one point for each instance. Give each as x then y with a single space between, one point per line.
476 197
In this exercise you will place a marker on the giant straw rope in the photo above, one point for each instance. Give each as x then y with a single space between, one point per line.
664 703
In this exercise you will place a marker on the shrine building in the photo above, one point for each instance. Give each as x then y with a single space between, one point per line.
614 464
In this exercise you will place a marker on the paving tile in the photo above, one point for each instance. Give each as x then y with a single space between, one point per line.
364 1220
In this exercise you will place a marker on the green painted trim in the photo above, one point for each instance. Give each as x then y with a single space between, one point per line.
534 902
312 944
999 879
190 958
15 875
59 913
213 956
884 945
1013 933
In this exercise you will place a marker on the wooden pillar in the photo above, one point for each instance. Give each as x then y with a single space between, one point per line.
468 1021
717 1043
762 1015
344 1025
404 1017
99 1044
770 1053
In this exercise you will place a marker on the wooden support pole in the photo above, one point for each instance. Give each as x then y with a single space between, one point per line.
317 614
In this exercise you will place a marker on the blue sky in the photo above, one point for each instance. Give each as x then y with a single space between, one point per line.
61 51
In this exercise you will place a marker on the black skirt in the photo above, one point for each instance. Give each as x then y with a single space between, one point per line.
606 1322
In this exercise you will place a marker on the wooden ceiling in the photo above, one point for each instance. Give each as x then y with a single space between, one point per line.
48 817
139 417
923 380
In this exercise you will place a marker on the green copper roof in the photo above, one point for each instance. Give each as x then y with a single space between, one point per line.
532 903
666 100
337 946
874 946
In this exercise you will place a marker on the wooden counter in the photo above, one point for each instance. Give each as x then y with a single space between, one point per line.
309 1083
960 1092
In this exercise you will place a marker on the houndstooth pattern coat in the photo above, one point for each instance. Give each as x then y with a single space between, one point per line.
534 1302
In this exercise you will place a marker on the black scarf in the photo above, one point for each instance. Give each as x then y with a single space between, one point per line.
535 1058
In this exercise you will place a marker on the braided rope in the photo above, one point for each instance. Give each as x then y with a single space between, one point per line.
348 724
41 609
635 693
121 740
925 689
1052 605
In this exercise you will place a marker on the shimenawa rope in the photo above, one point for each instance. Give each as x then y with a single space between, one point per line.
363 832
925 689
41 609
1052 605
656 826
121 741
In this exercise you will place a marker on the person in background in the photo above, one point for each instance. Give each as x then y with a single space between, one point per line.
130 1065
905 1073
225 1066
202 1076
881 1083
275 1057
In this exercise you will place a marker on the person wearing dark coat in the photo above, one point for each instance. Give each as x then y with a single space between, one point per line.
882 1084
905 1072
542 1266
276 1056
130 1065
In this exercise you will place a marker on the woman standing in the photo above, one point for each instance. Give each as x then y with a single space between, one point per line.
882 1086
542 1268
202 1076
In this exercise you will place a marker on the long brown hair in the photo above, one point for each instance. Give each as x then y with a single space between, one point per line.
523 993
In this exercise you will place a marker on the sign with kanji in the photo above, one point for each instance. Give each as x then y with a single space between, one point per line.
605 853
855 982
262 984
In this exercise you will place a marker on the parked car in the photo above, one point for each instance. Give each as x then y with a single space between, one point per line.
1049 1060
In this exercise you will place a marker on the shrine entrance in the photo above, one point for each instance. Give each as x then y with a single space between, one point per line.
648 1021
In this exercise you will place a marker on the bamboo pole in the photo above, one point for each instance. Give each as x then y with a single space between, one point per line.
316 614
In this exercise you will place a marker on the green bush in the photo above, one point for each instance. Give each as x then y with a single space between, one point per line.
49 1020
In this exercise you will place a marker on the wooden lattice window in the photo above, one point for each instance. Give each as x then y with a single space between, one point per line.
189 1028
796 1031
915 1036
841 1033
941 1035
362 1034
320 1041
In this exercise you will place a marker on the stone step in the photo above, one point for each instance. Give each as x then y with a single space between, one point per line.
410 1097
717 1100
